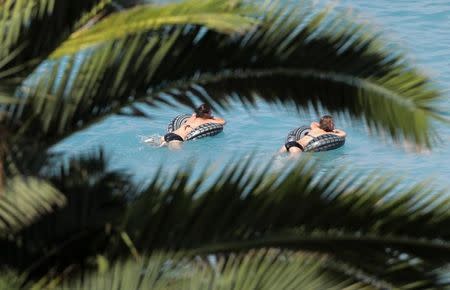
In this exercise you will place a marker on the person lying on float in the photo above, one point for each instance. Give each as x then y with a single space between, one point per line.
201 116
324 126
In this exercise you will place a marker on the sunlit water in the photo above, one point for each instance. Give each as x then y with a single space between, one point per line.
422 28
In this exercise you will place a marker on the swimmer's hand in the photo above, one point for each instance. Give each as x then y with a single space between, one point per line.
154 141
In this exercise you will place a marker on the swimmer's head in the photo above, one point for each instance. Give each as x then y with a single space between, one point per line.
203 111
326 123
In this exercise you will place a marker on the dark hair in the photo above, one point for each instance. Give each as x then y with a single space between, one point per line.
203 111
326 123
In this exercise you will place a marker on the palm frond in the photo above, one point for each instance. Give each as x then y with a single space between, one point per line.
25 200
394 261
339 214
359 220
217 15
264 269
31 30
345 201
95 201
85 90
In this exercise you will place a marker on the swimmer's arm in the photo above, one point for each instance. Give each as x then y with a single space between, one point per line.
314 125
218 120
340 133
162 142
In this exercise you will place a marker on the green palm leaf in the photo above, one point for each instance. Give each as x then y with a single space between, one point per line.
95 199
30 30
25 200
264 211
345 201
47 94
221 16
243 210
265 269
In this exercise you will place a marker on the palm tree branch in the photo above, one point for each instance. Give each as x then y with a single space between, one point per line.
347 203
94 199
332 240
264 269
216 15
31 30
241 207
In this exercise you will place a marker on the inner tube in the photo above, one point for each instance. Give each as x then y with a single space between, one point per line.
323 142
205 130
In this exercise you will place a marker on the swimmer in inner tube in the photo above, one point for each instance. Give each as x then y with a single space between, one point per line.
202 115
325 126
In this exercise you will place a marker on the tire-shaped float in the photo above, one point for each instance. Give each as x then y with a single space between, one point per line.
205 130
323 142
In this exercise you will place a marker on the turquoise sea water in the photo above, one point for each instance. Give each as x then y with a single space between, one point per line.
422 28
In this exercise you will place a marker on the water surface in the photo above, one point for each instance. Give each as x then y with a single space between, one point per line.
422 28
